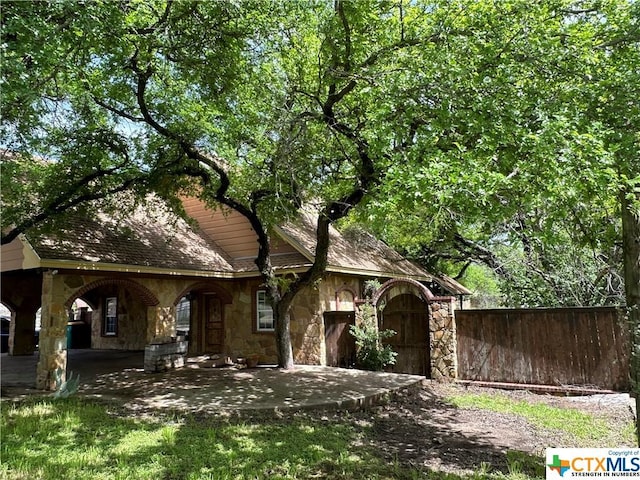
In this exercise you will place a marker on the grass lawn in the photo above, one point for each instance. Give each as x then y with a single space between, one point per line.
79 439
83 440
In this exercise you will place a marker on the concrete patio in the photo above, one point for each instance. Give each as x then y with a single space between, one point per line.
119 376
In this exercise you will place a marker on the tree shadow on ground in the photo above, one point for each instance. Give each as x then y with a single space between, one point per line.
416 435
417 428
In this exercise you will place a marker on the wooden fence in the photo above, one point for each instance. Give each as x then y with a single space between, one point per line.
561 347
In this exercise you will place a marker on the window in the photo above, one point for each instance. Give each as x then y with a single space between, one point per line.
264 312
183 316
111 316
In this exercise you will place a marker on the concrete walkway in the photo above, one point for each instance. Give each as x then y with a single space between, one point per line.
119 376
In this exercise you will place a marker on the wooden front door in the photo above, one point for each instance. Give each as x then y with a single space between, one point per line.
340 344
408 316
213 325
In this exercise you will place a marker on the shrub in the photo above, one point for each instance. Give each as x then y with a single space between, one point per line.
371 353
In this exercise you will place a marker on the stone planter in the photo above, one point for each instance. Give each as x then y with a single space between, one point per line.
160 357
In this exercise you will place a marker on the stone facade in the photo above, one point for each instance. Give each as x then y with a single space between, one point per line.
442 332
132 322
240 337
442 328
141 324
147 310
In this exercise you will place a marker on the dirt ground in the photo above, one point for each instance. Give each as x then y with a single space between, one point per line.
418 428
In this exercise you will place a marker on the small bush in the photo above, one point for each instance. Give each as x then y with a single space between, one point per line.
371 353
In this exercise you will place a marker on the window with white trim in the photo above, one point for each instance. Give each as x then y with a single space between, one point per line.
111 316
264 313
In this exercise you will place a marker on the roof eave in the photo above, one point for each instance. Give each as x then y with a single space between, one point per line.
376 273
127 268
150 270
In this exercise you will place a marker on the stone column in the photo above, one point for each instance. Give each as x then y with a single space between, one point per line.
161 323
442 325
53 332
22 332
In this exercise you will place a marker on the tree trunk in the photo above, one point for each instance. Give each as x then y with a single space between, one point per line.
631 248
282 319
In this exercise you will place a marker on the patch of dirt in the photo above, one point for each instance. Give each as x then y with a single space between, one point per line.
418 428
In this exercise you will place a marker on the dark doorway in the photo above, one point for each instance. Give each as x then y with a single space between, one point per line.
340 344
408 316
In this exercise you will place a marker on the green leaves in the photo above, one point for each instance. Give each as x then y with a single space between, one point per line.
513 125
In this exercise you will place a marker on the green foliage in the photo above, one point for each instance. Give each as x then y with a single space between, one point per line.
503 133
66 388
371 352
521 167
369 289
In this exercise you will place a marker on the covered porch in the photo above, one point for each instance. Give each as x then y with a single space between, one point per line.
119 376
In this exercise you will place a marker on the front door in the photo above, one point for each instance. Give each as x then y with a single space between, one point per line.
213 325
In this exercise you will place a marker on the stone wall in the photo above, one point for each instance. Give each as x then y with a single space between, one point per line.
241 339
307 323
146 313
307 327
160 357
132 321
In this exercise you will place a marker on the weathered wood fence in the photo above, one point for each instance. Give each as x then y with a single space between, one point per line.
560 346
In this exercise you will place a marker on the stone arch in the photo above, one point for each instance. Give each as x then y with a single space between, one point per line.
10 305
398 286
223 294
403 305
440 318
146 296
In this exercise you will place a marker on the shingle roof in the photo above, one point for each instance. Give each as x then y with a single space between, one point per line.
151 236
361 252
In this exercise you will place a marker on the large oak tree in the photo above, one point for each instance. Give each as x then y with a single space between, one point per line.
271 107
262 107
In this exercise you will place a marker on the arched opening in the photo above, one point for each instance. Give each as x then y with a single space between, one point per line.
408 316
200 317
114 312
107 327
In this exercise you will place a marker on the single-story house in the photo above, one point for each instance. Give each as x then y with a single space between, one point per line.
149 277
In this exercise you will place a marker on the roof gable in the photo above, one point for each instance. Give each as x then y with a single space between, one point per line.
152 238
